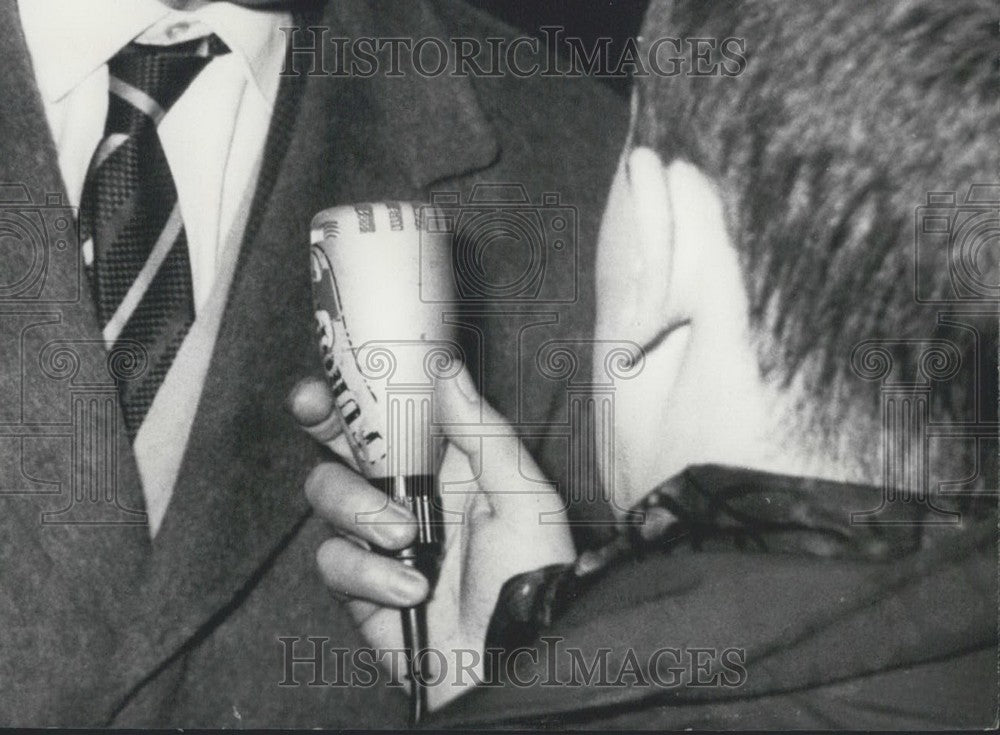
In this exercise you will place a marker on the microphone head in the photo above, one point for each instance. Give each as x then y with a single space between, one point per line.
382 341
386 261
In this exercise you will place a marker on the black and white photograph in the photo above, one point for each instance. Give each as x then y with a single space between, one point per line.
520 365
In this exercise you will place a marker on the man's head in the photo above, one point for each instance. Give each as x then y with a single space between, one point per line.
761 227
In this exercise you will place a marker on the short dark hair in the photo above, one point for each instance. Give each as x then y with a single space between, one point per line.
846 115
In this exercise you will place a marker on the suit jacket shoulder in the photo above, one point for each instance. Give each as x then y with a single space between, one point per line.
564 120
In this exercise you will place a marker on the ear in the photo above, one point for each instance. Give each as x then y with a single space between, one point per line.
662 230
635 251
636 272
653 275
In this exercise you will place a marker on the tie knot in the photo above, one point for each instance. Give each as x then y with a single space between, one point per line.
150 78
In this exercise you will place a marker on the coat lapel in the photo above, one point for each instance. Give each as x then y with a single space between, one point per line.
239 495
68 470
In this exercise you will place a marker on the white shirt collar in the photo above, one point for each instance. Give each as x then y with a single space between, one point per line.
69 39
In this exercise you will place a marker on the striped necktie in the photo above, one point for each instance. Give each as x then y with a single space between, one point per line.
129 216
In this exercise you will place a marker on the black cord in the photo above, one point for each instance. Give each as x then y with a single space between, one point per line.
423 557
415 641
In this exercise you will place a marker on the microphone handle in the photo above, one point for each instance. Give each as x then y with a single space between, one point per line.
418 494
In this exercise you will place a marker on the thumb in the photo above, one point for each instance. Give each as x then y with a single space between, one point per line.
515 486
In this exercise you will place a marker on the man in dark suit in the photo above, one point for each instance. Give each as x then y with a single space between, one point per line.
793 256
157 545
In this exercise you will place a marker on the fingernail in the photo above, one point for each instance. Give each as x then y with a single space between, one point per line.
400 512
393 530
407 586
310 401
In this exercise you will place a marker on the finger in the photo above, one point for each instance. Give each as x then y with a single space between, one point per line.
350 570
311 403
352 506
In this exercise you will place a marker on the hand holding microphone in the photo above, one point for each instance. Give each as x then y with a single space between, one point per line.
368 262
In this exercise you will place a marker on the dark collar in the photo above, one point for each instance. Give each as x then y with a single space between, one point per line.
717 505
717 508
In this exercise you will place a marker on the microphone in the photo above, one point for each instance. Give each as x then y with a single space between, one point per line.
382 341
